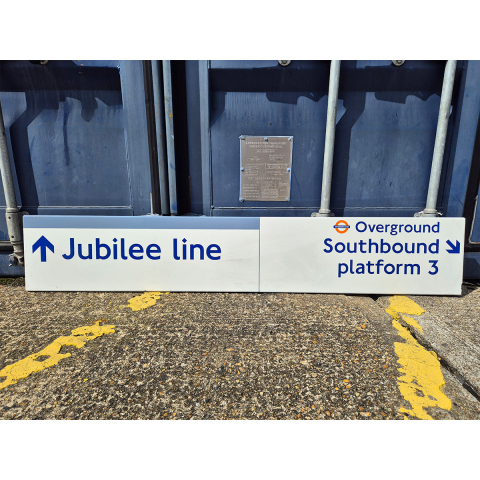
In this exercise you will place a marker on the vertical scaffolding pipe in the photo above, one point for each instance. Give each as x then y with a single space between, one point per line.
155 201
329 140
167 92
12 212
160 132
204 84
440 139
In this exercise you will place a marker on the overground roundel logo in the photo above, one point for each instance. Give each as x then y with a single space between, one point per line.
341 226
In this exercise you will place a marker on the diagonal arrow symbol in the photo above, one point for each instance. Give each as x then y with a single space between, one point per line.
42 243
454 248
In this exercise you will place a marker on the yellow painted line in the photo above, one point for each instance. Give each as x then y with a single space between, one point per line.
79 337
400 304
411 321
422 380
146 300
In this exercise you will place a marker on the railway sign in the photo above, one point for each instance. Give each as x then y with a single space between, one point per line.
311 255
362 255
150 253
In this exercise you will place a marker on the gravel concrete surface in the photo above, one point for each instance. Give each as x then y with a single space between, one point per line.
208 356
451 327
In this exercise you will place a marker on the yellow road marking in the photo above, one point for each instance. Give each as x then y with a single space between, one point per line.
422 380
400 304
146 300
80 336
411 321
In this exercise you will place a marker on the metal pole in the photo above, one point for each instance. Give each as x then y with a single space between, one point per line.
440 139
203 67
12 212
167 90
160 130
329 140
155 201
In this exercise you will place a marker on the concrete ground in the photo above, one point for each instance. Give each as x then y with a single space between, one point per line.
234 356
451 327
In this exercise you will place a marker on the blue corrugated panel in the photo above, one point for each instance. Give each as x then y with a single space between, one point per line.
66 127
78 147
385 133
77 135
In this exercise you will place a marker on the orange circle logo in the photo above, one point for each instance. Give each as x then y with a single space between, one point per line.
341 226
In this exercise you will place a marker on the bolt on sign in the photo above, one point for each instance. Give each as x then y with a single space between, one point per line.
265 168
238 254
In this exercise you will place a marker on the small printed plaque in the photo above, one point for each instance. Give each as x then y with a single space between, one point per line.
265 169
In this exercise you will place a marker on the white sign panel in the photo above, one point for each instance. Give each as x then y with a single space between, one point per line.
141 253
311 255
362 255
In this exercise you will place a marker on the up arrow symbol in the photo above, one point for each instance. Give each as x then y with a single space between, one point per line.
43 244
454 248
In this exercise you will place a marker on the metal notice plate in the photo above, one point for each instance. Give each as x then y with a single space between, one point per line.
265 169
